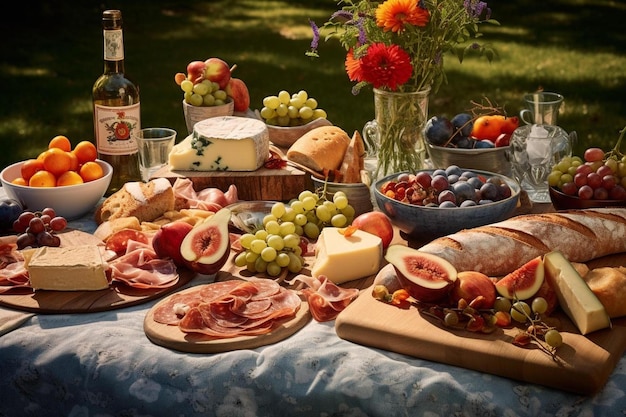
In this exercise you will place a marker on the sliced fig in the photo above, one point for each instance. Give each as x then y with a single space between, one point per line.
427 278
524 282
206 247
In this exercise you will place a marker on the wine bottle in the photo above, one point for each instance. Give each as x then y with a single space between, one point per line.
116 108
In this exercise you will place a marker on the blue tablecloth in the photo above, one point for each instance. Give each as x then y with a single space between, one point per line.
102 364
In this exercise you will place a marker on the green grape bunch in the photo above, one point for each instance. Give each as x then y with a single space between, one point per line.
277 245
286 109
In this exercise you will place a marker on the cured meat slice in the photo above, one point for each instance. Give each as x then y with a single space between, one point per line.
230 308
140 267
326 299
172 310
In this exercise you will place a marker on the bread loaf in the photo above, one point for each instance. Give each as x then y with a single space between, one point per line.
500 248
322 148
145 201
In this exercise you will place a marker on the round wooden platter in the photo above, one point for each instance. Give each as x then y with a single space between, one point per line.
114 297
172 337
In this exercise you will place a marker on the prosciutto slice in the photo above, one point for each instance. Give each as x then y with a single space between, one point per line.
326 299
140 267
211 199
230 308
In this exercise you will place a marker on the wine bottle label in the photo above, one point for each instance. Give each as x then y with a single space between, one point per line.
113 45
115 127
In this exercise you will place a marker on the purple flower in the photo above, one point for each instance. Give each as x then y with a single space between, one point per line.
362 34
475 8
316 35
343 14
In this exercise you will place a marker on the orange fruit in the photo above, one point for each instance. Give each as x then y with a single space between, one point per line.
74 165
31 166
19 181
90 171
61 142
57 161
69 178
488 127
42 179
85 151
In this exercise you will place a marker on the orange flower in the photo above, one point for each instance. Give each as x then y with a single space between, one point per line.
386 66
353 67
394 15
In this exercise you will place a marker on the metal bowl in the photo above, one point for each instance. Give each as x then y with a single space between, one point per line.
247 216
484 159
426 223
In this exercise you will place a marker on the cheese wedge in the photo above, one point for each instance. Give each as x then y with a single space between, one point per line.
78 268
227 143
575 296
342 258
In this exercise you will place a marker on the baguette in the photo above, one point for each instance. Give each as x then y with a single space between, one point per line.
500 248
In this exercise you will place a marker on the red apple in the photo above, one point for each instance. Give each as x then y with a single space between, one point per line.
376 223
217 71
473 285
503 140
168 239
196 71
238 91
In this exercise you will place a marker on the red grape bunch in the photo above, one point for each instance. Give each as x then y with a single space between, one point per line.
39 228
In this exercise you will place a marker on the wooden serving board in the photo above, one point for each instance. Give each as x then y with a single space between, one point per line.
114 297
262 184
171 336
584 365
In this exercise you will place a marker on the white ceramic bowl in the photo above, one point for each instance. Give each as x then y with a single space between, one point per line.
70 201
426 223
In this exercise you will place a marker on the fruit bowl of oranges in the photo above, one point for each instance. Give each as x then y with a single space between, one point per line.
472 142
69 179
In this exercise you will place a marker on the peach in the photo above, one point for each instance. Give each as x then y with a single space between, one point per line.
473 285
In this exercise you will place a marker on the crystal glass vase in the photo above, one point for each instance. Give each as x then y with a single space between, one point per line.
395 138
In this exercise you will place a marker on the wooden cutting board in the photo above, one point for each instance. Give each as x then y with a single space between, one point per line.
262 184
171 337
114 297
585 362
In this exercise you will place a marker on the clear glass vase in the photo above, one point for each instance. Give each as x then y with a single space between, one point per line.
395 139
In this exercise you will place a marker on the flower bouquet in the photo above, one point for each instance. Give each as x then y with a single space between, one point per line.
398 47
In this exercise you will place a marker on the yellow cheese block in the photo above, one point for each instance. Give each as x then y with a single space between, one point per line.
575 296
342 258
78 268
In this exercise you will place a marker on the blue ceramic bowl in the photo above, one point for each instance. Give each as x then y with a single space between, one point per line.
426 223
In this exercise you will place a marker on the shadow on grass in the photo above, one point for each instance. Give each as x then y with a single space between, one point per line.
51 60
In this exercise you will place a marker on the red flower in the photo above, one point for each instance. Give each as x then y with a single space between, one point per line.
386 66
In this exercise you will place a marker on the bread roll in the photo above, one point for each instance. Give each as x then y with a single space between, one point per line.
322 148
609 285
146 201
500 248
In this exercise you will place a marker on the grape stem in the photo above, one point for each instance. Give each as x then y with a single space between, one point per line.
616 152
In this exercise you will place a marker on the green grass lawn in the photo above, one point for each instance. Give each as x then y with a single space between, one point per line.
51 57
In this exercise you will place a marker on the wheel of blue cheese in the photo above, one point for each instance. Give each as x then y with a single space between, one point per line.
227 143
